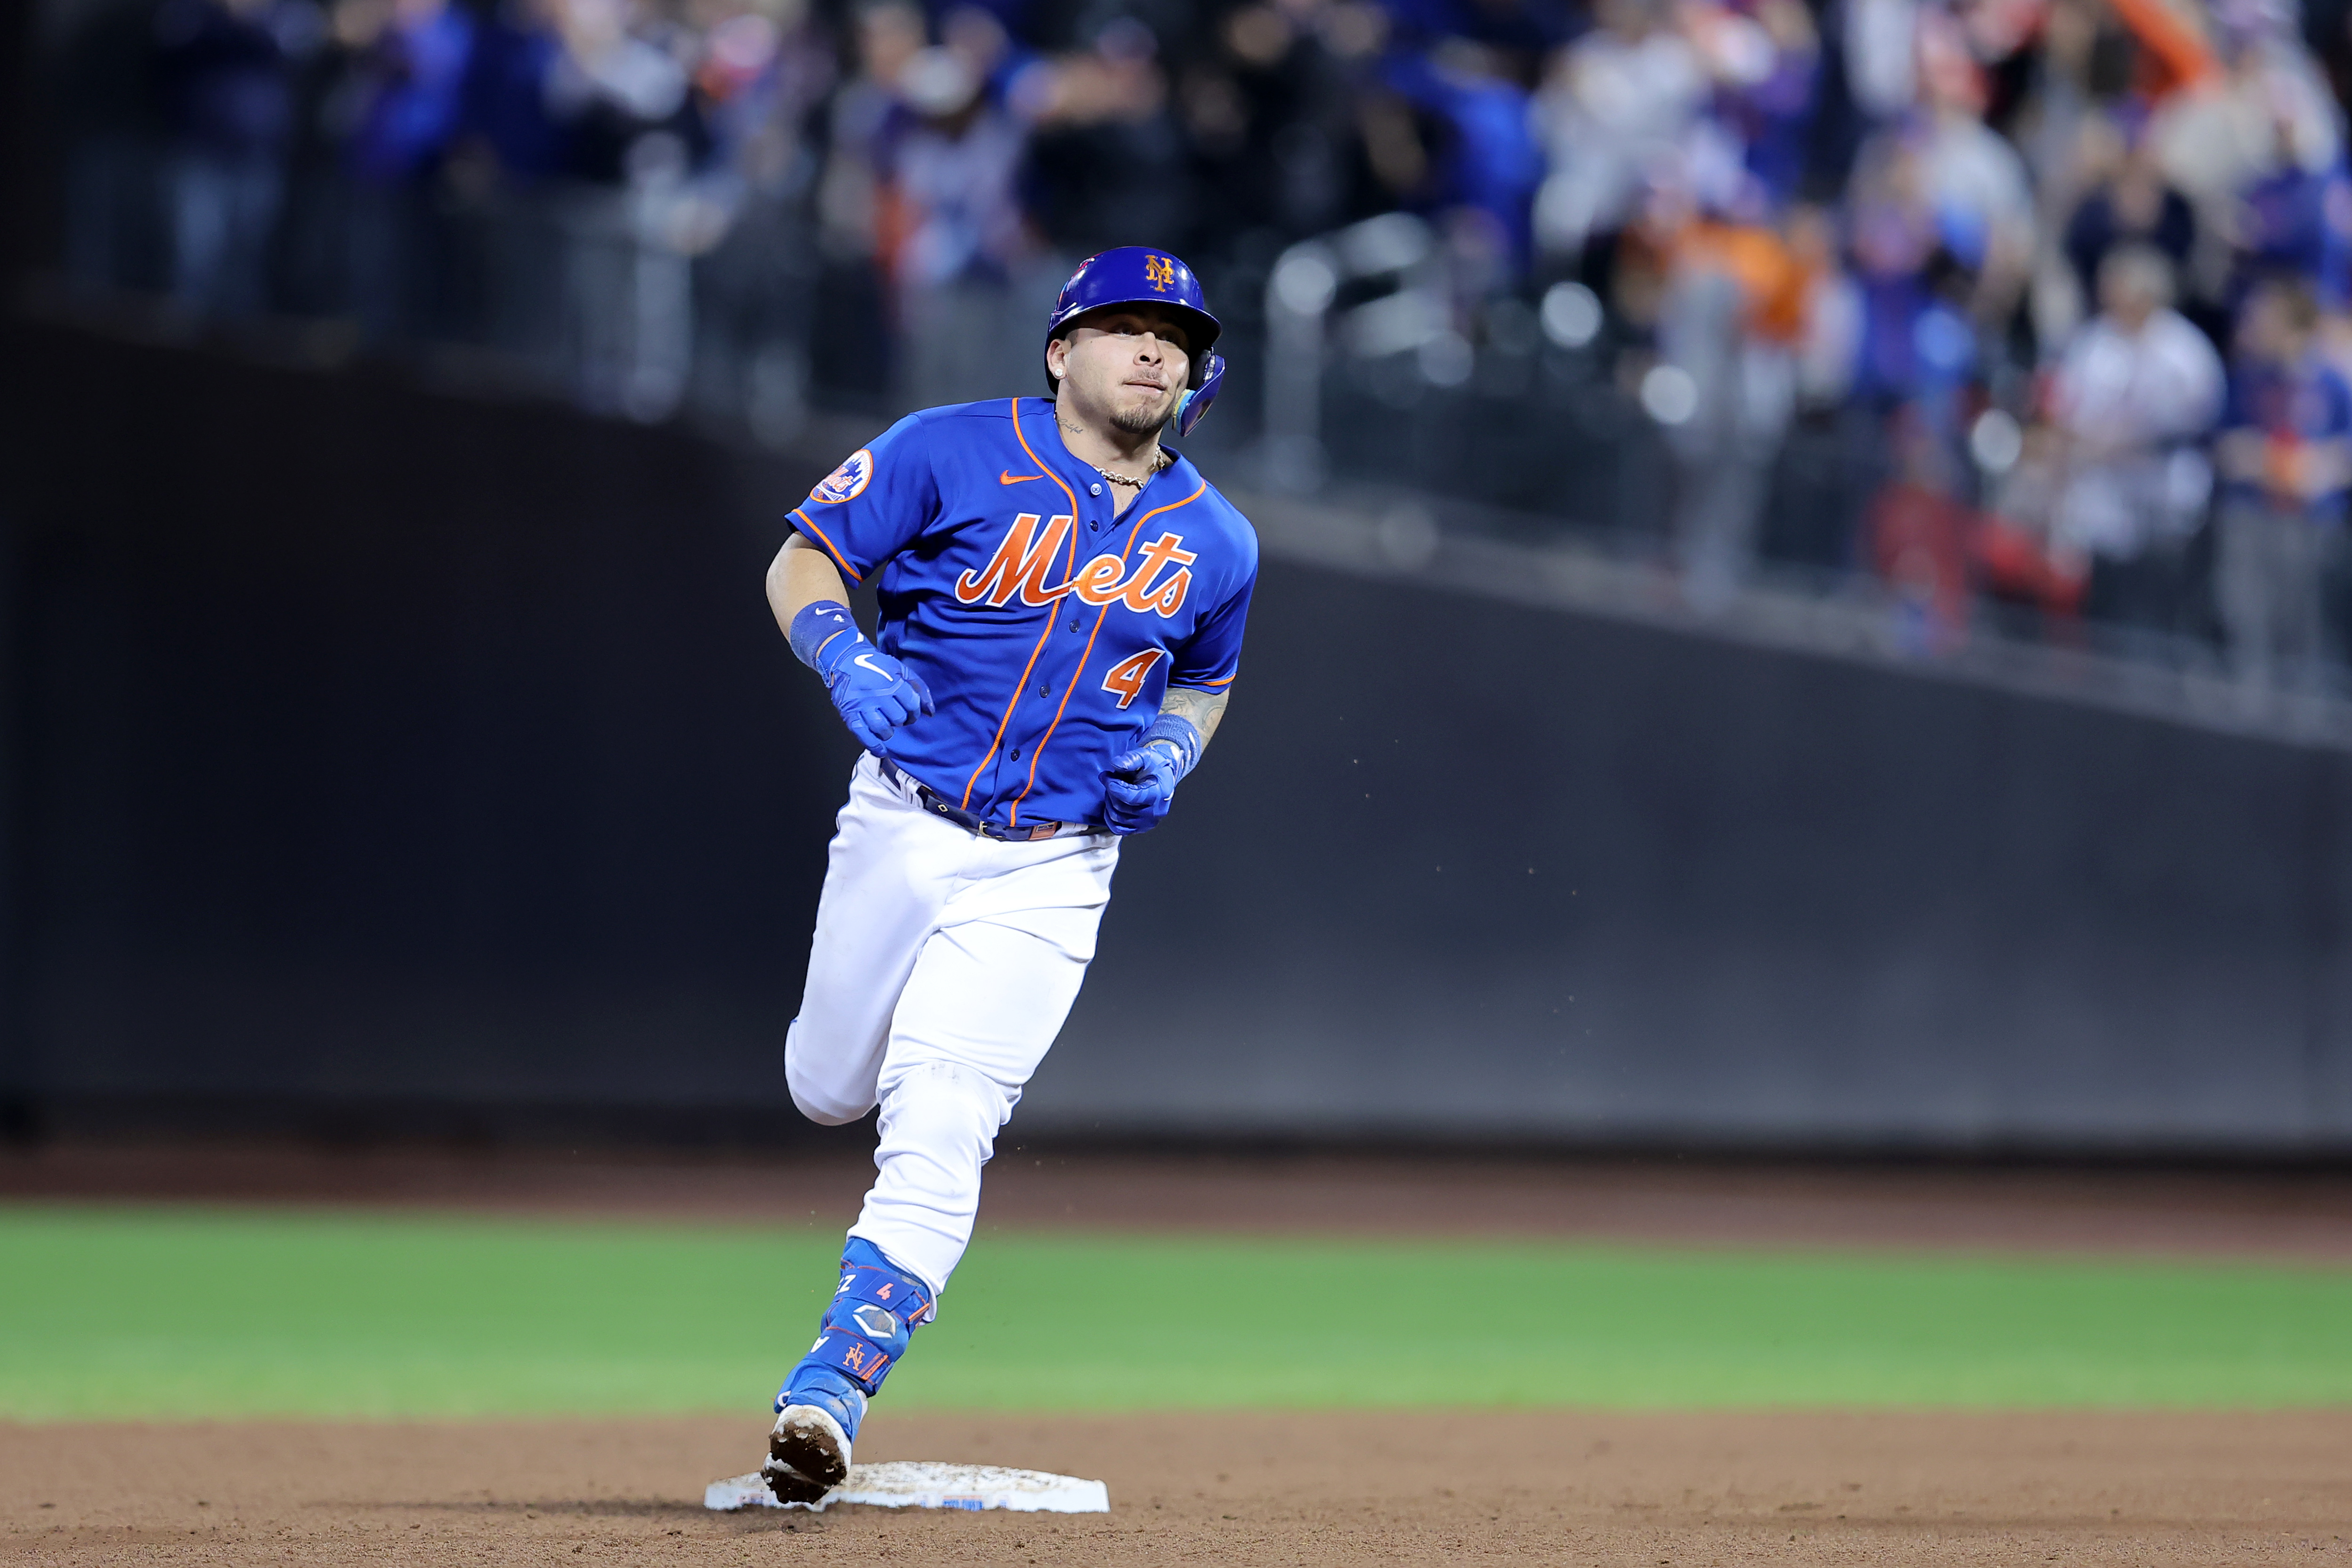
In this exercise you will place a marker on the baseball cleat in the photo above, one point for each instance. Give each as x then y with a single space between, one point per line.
823 1403
808 1454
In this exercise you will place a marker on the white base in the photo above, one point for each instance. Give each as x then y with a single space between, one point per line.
927 1484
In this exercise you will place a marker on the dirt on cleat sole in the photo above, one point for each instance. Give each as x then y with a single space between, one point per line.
790 1485
806 1453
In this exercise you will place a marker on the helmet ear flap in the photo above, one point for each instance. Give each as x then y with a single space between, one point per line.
1195 402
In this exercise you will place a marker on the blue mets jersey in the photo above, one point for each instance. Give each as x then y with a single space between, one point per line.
1046 627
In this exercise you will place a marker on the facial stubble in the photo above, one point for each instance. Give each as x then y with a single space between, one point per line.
1141 421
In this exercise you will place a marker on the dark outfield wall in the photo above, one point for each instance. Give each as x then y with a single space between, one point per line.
376 753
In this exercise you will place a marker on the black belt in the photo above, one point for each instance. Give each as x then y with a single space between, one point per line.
970 821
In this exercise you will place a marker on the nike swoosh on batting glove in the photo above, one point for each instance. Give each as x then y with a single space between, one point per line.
875 695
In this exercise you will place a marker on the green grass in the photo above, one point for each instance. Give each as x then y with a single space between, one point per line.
112 1312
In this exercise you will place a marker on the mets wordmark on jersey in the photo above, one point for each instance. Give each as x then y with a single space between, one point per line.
1048 628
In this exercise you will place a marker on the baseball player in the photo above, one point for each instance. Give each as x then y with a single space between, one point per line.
1061 609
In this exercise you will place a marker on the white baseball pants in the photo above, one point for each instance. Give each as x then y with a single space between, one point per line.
943 966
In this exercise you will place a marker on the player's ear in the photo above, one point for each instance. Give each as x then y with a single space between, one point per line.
1057 358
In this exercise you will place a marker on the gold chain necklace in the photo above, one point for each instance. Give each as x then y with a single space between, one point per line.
1159 459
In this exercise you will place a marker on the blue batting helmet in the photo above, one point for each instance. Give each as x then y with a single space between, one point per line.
1135 275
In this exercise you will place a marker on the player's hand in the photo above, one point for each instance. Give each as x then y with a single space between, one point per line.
1139 787
876 694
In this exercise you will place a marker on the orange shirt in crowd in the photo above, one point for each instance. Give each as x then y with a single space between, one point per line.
2176 53
1774 283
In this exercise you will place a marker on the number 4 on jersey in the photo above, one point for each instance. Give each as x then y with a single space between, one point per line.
1125 679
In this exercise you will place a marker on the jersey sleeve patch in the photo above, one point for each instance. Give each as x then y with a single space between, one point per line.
847 482
868 510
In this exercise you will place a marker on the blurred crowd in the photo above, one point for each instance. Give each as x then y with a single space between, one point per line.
2069 277
655 190
2075 267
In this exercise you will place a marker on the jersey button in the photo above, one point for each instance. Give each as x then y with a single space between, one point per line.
1094 490
1014 754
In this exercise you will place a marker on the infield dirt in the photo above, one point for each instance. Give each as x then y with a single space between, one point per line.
1311 1489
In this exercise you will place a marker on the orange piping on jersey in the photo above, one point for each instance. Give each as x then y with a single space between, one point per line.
1051 616
1012 818
1134 533
838 559
1200 685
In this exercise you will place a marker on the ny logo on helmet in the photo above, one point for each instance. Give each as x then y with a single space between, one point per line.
1160 272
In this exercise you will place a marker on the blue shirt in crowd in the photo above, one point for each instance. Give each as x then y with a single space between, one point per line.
2307 402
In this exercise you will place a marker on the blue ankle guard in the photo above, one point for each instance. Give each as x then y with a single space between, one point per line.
863 1331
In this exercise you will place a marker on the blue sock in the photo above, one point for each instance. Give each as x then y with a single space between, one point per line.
862 1335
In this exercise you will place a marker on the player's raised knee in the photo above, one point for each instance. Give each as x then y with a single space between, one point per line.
811 1101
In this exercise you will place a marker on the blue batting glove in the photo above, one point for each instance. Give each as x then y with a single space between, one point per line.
875 693
1138 789
1141 782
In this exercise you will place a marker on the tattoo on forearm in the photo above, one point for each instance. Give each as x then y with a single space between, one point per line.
1202 709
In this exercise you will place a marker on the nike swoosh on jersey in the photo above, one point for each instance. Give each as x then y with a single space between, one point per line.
1008 476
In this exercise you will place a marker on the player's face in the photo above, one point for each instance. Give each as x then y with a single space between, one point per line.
1128 364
